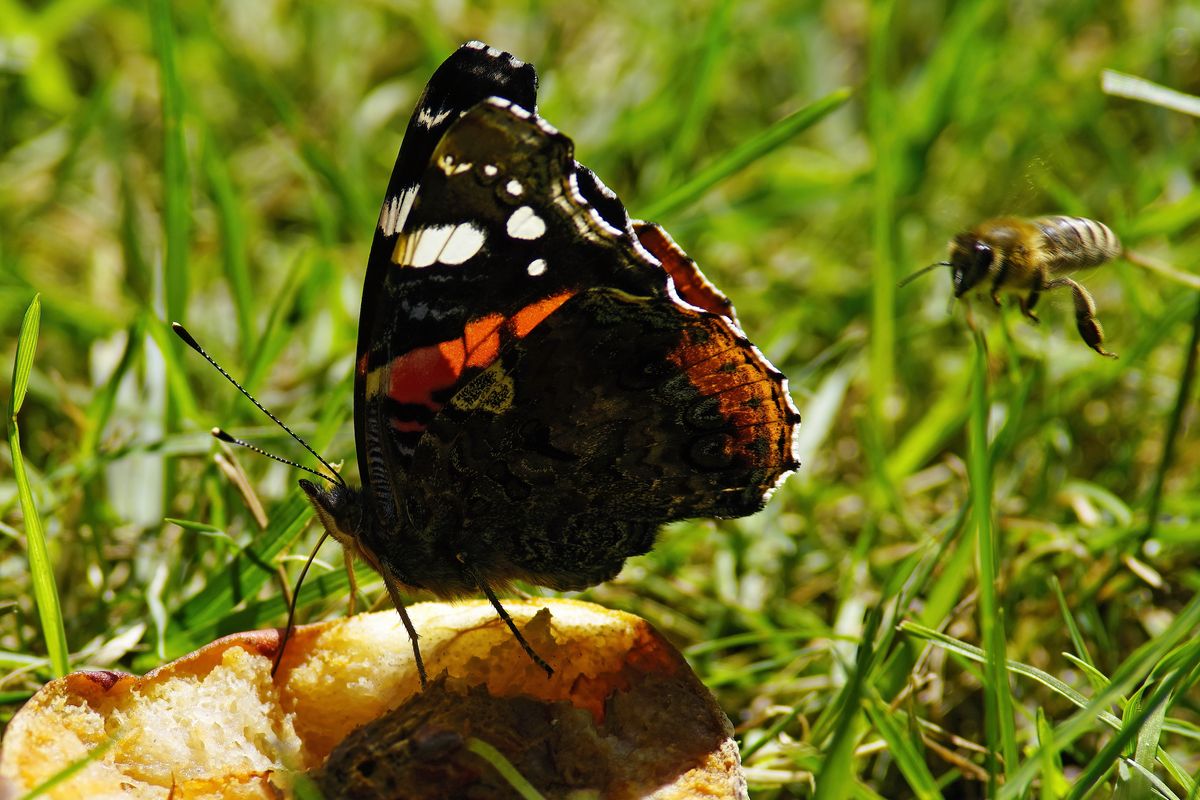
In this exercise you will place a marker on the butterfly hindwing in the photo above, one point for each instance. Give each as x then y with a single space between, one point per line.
615 415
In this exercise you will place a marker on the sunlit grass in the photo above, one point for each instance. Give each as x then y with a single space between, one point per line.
982 578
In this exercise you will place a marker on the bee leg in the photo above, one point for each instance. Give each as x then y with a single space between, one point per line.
1029 301
1085 316
998 280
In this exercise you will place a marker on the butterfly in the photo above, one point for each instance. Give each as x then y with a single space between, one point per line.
541 383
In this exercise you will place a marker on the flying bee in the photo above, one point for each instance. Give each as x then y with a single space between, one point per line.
1030 256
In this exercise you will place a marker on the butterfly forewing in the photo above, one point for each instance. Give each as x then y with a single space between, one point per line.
498 236
470 75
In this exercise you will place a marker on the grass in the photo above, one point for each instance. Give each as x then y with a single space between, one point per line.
983 579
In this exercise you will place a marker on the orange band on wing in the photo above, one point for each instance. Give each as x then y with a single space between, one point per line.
531 315
482 340
416 376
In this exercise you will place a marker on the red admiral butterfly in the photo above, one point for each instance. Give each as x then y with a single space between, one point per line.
540 382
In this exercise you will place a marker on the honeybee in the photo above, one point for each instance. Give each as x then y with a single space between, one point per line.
1031 256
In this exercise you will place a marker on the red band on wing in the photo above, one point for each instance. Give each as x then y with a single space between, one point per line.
414 376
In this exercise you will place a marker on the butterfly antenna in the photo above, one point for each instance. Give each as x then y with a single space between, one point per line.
921 272
226 437
190 341
287 631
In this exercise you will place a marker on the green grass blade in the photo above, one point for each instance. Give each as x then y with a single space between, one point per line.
1149 781
1133 669
904 752
23 364
231 217
101 408
744 155
1001 730
977 654
1072 628
1048 745
41 570
1095 677
305 788
958 546
498 762
1171 436
177 382
836 778
1109 755
245 575
70 770
176 194
1145 750
1054 783
700 84
768 736
886 148
942 421
1119 84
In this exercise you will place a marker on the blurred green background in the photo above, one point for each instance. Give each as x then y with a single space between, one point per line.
222 164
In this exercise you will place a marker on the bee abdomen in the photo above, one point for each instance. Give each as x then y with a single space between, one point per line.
1075 242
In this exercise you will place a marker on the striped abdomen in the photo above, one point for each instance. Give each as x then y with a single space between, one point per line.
1070 243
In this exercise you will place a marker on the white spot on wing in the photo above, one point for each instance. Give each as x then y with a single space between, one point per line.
421 247
525 224
451 166
395 211
514 188
490 169
428 118
463 243
446 244
536 267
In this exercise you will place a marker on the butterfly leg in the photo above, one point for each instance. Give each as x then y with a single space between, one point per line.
394 591
1085 316
348 557
512 626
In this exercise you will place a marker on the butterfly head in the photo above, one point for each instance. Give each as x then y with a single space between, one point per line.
341 509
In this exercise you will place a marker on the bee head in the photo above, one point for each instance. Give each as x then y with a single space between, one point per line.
970 260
